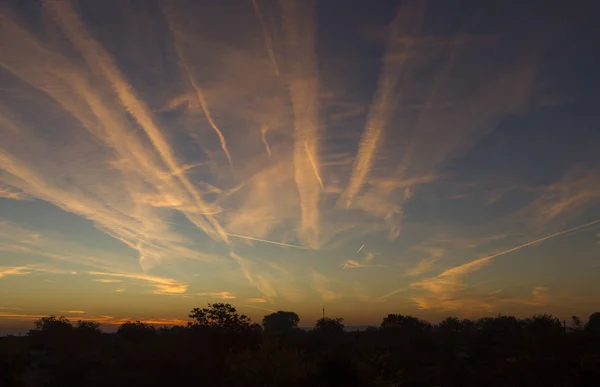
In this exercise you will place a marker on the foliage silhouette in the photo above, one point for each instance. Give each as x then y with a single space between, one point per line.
280 322
220 316
223 348
329 325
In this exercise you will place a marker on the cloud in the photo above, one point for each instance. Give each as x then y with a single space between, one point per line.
322 285
28 269
539 297
8 193
162 285
73 311
260 308
426 264
256 300
17 270
445 290
107 280
353 264
319 163
300 43
225 295
103 320
406 22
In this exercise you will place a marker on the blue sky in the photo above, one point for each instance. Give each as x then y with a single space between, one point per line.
427 158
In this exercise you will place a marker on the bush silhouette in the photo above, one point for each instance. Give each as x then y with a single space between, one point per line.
221 347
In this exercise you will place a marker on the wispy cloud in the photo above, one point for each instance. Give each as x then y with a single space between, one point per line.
322 285
104 320
29 269
17 270
256 300
426 264
107 280
406 23
162 285
300 42
8 193
322 165
443 291
260 308
224 295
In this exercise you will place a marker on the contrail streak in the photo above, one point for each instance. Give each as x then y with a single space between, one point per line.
99 60
206 111
267 36
312 163
263 136
385 96
476 264
473 265
267 241
390 294
303 82
360 248
198 91
260 308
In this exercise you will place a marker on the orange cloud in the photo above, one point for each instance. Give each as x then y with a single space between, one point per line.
162 285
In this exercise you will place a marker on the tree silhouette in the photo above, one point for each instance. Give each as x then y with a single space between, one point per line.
406 323
136 332
280 322
231 351
592 327
51 332
330 325
220 316
89 327
52 324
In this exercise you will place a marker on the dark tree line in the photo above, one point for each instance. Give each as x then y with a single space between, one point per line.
221 347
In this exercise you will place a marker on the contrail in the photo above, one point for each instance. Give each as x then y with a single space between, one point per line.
267 241
263 136
267 36
360 248
474 265
197 89
303 82
390 294
206 111
261 308
481 261
100 61
312 163
385 96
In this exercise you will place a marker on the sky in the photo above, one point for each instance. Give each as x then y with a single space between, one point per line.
432 158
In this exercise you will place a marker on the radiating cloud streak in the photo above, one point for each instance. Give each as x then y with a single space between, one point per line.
267 241
268 40
443 290
302 75
406 23
322 287
113 129
100 61
263 137
205 109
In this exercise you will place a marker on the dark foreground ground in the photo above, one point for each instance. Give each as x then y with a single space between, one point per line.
404 351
